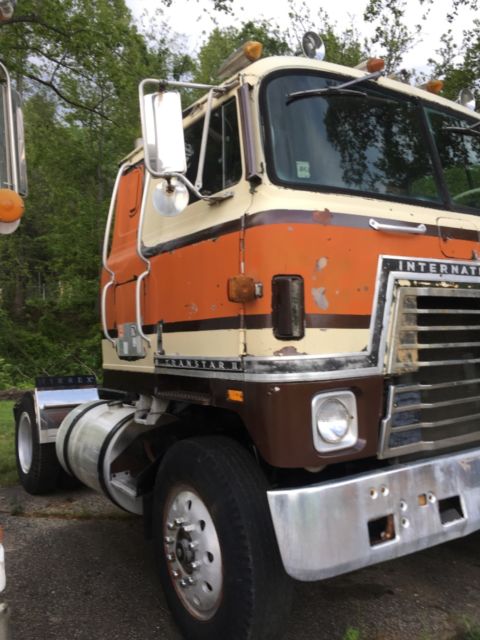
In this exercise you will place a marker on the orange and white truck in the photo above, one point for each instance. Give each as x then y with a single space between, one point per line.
291 353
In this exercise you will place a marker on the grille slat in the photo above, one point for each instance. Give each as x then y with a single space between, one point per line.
433 358
439 345
435 405
438 423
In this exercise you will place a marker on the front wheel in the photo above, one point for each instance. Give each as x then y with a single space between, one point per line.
217 553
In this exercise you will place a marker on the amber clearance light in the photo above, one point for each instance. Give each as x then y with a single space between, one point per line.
243 56
11 206
372 65
432 86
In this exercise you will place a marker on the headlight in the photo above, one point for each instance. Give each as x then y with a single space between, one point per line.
334 421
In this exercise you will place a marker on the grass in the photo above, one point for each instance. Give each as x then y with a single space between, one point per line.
469 630
8 471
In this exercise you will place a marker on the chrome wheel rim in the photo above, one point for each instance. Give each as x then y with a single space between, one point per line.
25 442
193 554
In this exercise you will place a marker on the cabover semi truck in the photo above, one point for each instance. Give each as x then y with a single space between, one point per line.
290 303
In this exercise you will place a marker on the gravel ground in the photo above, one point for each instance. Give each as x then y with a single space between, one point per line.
80 569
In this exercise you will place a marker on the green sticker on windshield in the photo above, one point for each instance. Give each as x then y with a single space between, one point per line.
303 169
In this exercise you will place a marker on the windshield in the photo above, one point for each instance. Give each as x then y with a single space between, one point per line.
459 149
373 142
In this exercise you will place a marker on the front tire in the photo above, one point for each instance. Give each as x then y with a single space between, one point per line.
37 465
217 553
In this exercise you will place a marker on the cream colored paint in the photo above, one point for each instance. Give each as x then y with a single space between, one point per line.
261 342
214 344
112 361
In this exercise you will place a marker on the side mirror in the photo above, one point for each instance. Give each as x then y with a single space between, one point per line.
466 97
162 131
13 168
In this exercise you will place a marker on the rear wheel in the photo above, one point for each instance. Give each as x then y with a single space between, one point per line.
37 465
217 552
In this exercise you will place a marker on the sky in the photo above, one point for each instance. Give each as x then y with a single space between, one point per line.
190 18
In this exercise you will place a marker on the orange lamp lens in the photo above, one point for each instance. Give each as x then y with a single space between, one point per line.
375 64
235 395
434 86
252 50
11 206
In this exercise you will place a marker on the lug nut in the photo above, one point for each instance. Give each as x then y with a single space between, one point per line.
195 565
178 522
169 540
189 527
171 557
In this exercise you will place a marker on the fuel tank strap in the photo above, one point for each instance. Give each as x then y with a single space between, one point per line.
103 452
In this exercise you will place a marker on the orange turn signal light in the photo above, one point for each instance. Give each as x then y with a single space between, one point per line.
11 206
235 395
241 288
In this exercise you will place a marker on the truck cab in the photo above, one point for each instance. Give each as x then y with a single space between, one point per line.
290 304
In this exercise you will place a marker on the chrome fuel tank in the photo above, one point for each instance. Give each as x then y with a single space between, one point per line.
90 439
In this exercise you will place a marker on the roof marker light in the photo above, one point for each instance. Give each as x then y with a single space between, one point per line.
432 86
371 65
243 56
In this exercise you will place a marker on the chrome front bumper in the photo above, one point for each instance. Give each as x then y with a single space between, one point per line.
335 527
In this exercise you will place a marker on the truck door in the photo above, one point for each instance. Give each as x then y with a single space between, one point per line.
123 260
194 254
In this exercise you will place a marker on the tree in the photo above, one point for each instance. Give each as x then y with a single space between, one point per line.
78 65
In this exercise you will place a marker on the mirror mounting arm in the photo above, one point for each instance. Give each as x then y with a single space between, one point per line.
212 199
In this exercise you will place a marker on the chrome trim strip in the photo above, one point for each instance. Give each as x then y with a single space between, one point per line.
322 530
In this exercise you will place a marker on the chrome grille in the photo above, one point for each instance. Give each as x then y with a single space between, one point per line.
434 364
434 327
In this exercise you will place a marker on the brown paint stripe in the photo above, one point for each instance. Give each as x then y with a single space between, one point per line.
298 216
264 321
259 321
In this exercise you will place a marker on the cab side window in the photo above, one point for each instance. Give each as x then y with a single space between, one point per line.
223 166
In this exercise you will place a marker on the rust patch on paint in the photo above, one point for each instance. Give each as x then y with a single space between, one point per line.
288 351
322 217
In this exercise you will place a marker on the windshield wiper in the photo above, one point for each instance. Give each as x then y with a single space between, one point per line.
329 91
339 90
466 131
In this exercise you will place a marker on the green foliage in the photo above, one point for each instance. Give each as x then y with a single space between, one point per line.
8 471
222 42
459 64
352 634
